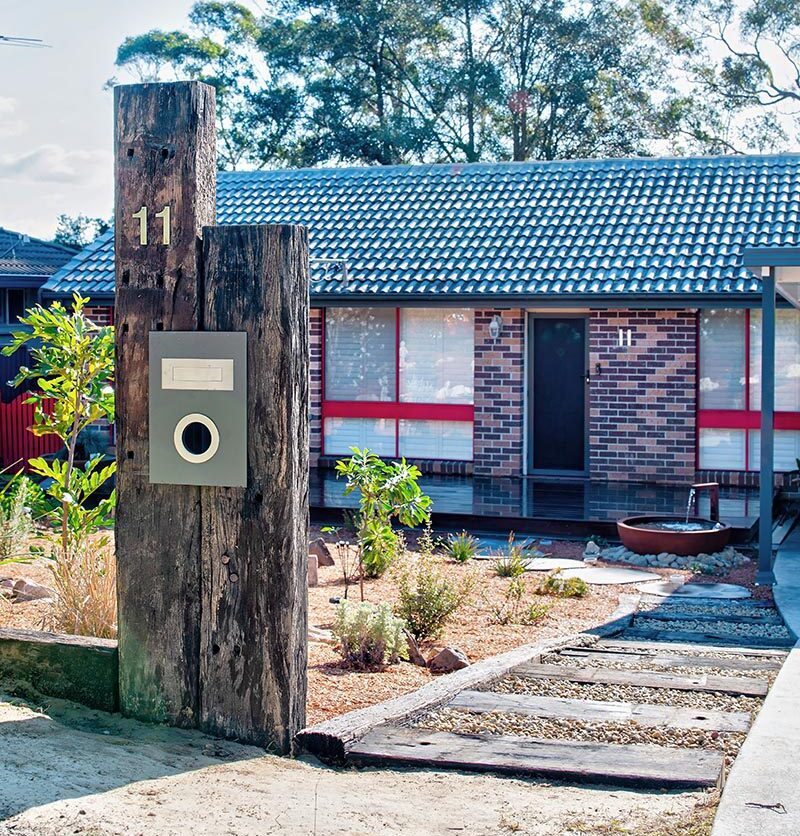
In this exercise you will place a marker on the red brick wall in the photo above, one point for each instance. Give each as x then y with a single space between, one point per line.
315 390
100 314
499 394
642 423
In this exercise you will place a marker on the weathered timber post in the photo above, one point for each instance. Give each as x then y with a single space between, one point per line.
165 167
254 547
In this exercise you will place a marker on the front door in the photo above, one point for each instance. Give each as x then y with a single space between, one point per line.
557 394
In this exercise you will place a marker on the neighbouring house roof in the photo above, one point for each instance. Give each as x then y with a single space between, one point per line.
580 230
26 261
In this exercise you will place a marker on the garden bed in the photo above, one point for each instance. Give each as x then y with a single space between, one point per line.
335 688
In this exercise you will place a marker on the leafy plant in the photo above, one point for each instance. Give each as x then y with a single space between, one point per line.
461 547
16 524
511 564
73 366
369 635
426 598
389 491
512 611
555 584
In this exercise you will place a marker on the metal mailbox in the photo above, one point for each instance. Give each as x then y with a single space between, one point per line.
198 408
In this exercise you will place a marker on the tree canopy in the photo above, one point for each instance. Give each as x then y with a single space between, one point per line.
397 81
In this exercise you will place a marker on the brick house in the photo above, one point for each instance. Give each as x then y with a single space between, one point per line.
580 319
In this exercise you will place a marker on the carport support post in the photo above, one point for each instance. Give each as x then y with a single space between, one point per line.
165 171
764 575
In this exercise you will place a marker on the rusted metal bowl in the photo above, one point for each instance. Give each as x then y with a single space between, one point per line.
643 540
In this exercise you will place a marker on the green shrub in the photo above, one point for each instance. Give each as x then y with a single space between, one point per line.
389 491
369 635
557 585
461 547
512 610
427 599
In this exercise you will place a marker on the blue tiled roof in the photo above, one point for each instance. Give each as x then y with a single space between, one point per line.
514 230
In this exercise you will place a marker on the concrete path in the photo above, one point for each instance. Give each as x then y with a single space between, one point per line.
762 794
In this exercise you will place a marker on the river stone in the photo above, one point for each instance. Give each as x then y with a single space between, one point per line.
719 591
610 575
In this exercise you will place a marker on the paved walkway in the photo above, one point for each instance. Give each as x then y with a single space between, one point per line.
762 792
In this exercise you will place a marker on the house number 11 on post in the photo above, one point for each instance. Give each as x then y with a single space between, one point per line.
164 215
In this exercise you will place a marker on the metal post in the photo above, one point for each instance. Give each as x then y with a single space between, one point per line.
764 576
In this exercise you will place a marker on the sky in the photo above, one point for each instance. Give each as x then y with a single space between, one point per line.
55 117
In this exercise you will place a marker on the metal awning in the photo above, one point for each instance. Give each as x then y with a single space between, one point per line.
779 271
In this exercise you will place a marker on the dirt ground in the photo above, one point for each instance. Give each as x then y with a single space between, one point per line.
76 771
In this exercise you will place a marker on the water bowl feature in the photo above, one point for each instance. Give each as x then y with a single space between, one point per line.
687 537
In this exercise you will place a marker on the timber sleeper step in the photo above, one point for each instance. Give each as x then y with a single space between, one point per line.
637 765
738 685
482 702
667 660
711 636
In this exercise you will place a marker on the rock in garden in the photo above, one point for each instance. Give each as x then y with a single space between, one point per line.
414 654
320 550
27 590
591 552
448 660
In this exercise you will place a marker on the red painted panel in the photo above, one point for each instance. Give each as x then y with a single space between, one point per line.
393 409
739 419
17 443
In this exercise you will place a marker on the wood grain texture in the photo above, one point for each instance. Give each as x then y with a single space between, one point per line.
626 644
74 668
529 705
165 154
332 739
672 660
712 635
568 760
740 685
254 539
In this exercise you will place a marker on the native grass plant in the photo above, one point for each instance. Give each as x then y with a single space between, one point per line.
556 585
461 547
514 562
388 492
369 636
427 598
16 523
73 366
512 609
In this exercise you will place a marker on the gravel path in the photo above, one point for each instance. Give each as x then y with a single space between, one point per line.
626 693
466 722
680 670
736 628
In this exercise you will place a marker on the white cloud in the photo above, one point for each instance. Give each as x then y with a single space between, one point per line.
10 124
54 164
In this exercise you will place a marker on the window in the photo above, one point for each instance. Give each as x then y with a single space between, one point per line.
730 395
13 304
399 381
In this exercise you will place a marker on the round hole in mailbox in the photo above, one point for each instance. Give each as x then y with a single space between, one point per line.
196 438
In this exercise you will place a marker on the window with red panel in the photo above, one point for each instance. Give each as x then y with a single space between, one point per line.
729 389
399 381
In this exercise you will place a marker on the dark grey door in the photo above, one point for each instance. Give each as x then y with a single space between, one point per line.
557 389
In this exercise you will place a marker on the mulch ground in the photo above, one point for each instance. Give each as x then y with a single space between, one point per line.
335 688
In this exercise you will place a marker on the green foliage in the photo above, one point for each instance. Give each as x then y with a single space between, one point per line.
599 541
397 81
461 547
16 524
369 636
427 599
512 610
556 585
513 563
73 366
80 230
388 491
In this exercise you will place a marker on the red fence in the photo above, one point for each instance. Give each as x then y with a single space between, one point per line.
17 443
